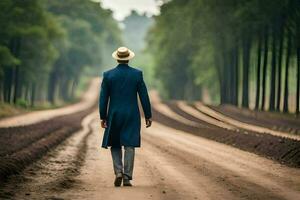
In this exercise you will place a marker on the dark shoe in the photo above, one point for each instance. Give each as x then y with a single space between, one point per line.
118 180
126 182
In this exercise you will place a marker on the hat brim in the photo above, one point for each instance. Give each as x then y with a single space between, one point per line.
115 55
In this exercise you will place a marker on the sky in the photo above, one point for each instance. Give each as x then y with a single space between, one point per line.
122 8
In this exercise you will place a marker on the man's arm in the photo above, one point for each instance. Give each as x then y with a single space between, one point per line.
145 101
103 100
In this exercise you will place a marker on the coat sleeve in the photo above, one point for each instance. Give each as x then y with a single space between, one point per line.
104 97
144 97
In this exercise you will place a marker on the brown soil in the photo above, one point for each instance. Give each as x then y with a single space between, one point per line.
171 165
283 150
26 138
275 121
178 160
29 143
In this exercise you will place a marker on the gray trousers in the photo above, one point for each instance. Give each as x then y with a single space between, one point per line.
127 170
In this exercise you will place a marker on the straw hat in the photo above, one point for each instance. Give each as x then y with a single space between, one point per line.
123 53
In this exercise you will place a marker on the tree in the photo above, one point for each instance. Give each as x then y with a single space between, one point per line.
287 65
217 42
46 45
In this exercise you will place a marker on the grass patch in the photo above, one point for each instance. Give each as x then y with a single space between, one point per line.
9 110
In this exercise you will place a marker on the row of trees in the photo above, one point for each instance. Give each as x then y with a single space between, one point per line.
46 45
240 50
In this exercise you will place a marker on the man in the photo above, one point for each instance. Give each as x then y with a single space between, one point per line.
119 113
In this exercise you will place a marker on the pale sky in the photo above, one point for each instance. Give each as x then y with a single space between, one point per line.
122 8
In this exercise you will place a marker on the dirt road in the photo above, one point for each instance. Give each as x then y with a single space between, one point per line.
170 165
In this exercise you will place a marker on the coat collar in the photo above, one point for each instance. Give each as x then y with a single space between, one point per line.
122 65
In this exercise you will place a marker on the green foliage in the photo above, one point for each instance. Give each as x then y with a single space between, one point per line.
213 44
46 45
6 58
23 103
172 46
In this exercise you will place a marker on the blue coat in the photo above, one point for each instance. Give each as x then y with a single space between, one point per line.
118 105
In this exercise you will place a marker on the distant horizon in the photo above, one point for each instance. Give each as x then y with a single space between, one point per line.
122 9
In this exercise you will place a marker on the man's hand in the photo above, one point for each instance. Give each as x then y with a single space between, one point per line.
103 124
148 123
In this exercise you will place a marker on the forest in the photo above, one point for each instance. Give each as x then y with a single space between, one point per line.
46 46
240 52
243 52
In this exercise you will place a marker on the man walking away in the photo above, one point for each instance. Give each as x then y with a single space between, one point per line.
119 113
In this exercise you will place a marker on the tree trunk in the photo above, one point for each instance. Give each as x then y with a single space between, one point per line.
235 76
1 89
52 87
226 67
224 71
64 90
33 92
26 93
15 49
8 85
259 47
286 83
8 77
16 85
280 53
246 64
224 86
273 70
298 73
265 65
219 74
192 89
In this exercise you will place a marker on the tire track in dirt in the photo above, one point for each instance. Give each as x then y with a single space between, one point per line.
76 170
96 178
283 150
181 177
68 177
197 115
54 173
156 176
276 121
246 126
243 181
26 138
170 165
20 147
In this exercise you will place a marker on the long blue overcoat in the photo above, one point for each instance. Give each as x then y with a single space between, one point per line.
118 105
